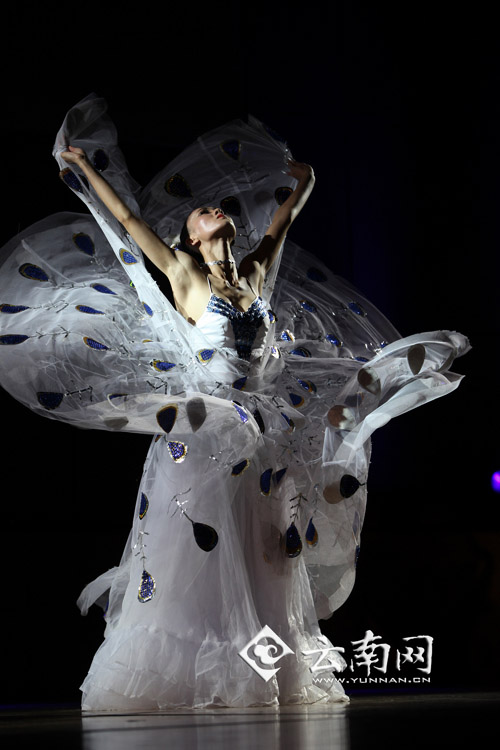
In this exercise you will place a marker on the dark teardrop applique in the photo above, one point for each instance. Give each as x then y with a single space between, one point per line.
258 418
178 187
240 467
231 205
49 400
265 481
241 412
166 417
311 534
206 537
35 273
13 309
416 358
147 589
71 180
88 310
196 413
84 243
100 160
281 194
301 351
278 476
349 485
293 544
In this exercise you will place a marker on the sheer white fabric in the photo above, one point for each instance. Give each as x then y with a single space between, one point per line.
269 453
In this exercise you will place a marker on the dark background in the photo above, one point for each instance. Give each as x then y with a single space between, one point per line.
385 103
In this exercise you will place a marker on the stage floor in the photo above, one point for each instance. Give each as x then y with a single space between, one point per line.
390 721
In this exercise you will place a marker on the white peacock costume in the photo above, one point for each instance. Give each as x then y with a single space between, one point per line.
253 495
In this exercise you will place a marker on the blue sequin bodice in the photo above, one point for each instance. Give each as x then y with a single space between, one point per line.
244 326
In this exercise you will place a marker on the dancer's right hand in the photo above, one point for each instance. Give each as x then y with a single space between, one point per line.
74 155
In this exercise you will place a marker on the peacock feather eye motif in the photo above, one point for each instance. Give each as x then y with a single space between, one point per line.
178 451
144 506
301 351
93 344
205 355
13 309
84 243
275 352
35 273
147 589
296 400
147 309
162 366
166 417
127 258
178 187
240 467
88 310
287 336
12 339
239 384
102 289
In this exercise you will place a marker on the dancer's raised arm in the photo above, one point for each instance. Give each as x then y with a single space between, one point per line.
266 253
149 242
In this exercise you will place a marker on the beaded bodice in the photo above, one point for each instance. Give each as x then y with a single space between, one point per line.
229 327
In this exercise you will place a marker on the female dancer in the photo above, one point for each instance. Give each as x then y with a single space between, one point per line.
248 516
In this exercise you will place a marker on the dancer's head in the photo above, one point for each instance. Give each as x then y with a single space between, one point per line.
203 226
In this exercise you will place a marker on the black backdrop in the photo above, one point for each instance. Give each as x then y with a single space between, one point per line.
384 103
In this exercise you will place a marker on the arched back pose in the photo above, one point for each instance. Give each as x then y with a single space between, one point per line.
249 512
211 232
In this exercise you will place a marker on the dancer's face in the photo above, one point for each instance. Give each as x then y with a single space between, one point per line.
207 223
